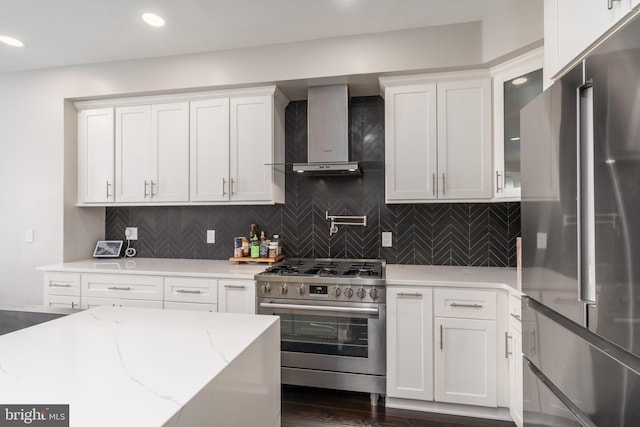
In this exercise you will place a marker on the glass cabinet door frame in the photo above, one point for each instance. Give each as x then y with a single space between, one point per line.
500 74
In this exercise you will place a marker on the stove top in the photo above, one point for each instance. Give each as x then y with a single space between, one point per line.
319 267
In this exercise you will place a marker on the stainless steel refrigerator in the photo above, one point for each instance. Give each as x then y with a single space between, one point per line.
580 148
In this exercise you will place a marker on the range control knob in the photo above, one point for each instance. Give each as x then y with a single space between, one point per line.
348 292
361 293
336 292
301 289
284 288
266 288
374 294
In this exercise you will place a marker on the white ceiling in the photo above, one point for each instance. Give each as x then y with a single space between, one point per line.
68 32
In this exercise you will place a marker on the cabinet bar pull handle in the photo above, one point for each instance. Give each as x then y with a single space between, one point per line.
231 186
516 316
443 186
506 345
119 288
152 194
108 185
145 188
188 291
73 305
223 183
433 183
498 189
59 285
455 304
234 286
440 337
410 294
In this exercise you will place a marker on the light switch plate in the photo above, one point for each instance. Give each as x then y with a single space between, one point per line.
211 236
28 235
387 239
131 233
541 240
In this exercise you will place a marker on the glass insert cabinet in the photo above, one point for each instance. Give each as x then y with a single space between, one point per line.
515 84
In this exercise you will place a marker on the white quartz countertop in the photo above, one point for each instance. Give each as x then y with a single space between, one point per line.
122 366
161 266
442 276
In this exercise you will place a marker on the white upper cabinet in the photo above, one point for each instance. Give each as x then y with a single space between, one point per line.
411 142
210 150
170 152
515 84
573 27
133 153
464 140
152 153
438 137
203 148
96 156
251 160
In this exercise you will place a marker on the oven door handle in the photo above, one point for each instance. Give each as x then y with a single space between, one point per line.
359 310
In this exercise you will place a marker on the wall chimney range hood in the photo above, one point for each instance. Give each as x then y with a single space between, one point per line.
328 133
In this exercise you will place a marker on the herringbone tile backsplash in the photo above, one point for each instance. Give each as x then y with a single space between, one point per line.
477 234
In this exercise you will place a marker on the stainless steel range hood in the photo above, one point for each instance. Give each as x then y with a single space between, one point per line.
328 133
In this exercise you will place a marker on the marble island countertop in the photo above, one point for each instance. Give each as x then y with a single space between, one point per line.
143 367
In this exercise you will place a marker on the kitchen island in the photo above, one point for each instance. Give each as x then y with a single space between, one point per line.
122 366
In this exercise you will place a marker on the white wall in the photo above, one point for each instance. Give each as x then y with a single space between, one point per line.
37 125
508 31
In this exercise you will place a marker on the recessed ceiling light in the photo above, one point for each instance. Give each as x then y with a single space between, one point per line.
153 19
11 41
519 81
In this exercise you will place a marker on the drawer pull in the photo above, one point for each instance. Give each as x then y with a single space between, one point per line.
119 288
234 286
516 316
188 291
410 294
59 285
455 304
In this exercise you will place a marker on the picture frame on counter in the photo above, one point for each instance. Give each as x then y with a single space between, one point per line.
108 249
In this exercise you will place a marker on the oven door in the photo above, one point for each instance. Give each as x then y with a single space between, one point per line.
330 336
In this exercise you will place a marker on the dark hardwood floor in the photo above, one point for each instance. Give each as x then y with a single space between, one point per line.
312 407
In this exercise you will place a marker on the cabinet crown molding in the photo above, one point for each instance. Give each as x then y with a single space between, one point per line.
271 90
390 81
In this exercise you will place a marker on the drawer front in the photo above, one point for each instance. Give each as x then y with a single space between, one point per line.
191 306
62 284
91 302
63 301
122 286
190 289
465 304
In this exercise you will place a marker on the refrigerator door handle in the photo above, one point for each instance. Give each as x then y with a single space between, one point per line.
586 205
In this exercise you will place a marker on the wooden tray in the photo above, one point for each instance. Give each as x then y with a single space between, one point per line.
270 261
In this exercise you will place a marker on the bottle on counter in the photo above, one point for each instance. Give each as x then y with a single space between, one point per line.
255 247
277 244
264 246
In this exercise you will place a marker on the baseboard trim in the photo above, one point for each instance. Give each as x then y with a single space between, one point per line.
501 414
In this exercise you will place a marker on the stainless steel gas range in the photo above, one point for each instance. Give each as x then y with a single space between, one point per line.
332 316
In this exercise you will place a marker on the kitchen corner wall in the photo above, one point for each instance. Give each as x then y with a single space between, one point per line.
477 234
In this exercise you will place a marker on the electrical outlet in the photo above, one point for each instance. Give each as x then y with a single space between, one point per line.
211 236
387 239
28 235
131 233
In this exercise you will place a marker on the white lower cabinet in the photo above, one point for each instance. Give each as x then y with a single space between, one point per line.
445 350
409 343
237 296
191 306
465 361
62 290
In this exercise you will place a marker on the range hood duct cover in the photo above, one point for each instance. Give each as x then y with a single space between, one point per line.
328 132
